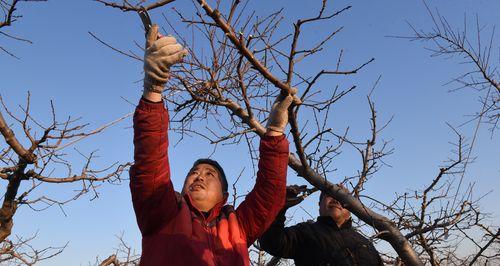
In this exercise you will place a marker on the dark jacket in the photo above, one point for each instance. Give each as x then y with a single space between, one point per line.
173 231
319 243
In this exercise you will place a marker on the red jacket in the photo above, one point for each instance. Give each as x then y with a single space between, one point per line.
176 233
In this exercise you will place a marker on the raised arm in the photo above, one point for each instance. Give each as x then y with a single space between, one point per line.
266 199
281 241
263 203
152 191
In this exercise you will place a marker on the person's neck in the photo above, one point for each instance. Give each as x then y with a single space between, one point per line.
340 222
202 206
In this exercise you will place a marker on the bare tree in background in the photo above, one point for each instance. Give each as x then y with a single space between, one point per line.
34 156
9 16
480 54
239 61
443 222
478 51
39 158
124 255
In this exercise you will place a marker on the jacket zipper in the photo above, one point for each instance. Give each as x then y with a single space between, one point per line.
209 237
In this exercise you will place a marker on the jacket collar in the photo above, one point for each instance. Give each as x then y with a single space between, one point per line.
328 220
212 214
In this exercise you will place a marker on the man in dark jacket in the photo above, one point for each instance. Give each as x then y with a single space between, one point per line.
196 227
330 240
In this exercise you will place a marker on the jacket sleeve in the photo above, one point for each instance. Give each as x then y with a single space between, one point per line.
266 199
280 241
153 195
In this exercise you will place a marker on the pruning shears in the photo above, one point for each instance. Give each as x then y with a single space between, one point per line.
146 20
307 192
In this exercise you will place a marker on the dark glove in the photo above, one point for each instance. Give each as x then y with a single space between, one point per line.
292 195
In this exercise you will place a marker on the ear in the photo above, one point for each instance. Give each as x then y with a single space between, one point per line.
347 215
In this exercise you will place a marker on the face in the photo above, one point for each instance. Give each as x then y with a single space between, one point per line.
203 186
329 206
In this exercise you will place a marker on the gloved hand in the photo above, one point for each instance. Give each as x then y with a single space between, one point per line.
292 195
161 53
278 118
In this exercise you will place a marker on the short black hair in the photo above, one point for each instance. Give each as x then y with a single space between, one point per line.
217 166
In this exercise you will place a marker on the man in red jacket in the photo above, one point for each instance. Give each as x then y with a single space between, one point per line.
196 227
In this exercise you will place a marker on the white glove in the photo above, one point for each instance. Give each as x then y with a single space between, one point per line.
161 53
278 118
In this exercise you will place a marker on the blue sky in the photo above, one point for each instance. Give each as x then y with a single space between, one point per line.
88 80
